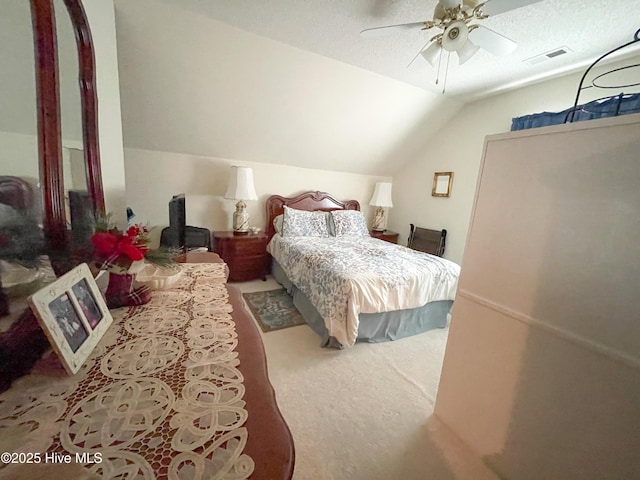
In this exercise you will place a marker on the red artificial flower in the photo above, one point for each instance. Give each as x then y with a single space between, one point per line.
130 250
105 243
112 246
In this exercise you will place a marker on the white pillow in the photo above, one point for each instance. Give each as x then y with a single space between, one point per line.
277 223
349 223
300 223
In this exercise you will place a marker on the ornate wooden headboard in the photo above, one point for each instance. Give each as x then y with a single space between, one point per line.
310 201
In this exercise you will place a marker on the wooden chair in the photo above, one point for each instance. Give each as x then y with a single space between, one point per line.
428 241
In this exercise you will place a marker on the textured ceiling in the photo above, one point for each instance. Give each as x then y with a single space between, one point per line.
331 28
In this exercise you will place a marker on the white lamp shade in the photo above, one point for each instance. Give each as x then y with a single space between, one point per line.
467 51
431 53
455 36
381 195
241 184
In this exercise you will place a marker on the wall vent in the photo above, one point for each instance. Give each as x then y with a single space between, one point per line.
543 57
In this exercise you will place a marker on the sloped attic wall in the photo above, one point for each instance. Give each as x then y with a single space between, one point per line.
194 85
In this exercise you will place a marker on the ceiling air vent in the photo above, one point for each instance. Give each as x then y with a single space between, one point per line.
543 57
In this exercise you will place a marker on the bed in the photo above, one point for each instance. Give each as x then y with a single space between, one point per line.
348 286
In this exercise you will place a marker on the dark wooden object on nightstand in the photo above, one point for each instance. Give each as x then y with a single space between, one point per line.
245 255
386 235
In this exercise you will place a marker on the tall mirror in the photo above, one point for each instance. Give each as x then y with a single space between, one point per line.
86 81
67 114
57 110
48 127
73 161
77 201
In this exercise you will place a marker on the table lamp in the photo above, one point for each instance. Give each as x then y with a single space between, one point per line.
241 188
381 198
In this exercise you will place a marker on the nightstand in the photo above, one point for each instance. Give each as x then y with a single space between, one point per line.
245 255
386 235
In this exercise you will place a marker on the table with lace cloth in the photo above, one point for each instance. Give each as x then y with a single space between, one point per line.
161 396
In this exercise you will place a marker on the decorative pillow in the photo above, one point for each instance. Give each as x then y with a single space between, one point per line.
300 223
349 223
277 223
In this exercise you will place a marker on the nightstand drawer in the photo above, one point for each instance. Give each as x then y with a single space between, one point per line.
250 246
242 269
250 261
246 255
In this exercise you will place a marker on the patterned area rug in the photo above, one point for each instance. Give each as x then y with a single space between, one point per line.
273 309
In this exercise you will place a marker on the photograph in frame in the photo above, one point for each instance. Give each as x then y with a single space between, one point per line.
88 303
69 321
73 315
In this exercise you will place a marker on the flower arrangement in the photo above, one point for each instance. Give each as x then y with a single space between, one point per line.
116 250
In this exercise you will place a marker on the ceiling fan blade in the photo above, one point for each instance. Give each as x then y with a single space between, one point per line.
450 3
390 29
492 41
495 7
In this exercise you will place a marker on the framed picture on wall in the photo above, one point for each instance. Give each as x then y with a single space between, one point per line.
442 182
73 315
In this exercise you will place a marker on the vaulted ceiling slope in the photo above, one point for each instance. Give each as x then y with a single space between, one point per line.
332 28
291 82
191 84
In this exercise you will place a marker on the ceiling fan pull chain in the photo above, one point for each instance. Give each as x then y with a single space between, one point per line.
444 84
439 64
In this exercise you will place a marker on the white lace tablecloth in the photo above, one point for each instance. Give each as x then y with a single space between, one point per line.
160 397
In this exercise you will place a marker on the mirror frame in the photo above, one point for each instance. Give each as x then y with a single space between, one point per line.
49 126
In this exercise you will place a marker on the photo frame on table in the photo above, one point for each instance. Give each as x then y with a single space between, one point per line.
73 315
442 184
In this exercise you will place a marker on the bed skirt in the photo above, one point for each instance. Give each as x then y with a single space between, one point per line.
372 327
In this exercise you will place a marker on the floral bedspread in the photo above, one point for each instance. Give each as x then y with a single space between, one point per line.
346 276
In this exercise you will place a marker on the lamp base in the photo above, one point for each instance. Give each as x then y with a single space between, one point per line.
380 220
241 219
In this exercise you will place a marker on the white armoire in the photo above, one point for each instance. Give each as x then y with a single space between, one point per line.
541 375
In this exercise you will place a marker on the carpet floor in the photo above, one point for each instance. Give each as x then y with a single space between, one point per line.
365 412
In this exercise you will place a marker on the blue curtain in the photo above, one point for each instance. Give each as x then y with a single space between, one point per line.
612 106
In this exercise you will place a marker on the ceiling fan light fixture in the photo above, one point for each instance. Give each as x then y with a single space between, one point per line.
431 53
455 36
468 50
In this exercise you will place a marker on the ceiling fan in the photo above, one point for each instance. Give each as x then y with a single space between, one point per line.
458 30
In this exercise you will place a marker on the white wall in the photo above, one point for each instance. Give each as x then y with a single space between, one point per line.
19 155
154 177
457 147
101 17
